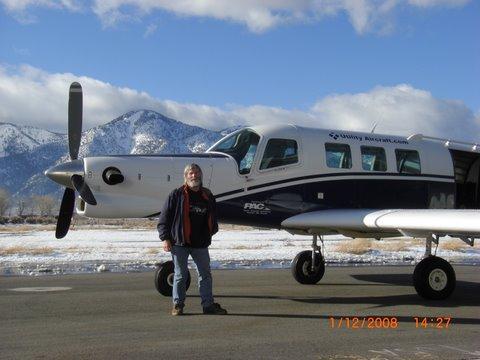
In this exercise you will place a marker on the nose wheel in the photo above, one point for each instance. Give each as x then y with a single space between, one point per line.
308 267
164 278
304 272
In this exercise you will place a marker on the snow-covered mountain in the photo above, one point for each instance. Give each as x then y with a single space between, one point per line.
15 139
28 151
146 132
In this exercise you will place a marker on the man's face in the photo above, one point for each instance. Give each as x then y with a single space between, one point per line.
194 178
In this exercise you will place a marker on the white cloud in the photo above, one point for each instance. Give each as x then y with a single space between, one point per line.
257 15
34 97
150 30
401 110
18 8
432 3
21 5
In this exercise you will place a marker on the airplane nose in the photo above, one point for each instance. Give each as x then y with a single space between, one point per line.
62 173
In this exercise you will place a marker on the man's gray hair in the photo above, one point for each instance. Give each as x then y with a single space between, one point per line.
189 167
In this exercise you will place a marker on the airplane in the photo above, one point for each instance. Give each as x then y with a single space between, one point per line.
303 180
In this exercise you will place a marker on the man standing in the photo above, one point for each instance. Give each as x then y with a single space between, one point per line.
186 225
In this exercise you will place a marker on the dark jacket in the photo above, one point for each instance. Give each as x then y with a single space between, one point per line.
174 220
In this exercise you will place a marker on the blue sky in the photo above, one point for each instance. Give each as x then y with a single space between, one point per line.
237 67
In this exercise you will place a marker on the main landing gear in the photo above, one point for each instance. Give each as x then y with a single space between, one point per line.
433 278
164 278
308 267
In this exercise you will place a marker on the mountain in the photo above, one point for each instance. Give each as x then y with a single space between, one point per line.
28 151
15 139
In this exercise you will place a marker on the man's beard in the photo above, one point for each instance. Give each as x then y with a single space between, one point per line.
194 183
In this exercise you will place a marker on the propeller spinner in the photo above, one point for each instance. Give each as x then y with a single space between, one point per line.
71 174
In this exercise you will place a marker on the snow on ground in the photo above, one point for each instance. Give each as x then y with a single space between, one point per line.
113 249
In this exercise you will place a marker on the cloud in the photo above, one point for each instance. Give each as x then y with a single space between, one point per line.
21 5
150 30
258 15
18 8
31 96
401 110
432 3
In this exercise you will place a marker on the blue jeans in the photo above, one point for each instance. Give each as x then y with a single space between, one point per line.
201 257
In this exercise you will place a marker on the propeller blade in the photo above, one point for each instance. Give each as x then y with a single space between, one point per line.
65 214
83 189
75 106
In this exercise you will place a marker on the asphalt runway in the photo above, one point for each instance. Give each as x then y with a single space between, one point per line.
111 316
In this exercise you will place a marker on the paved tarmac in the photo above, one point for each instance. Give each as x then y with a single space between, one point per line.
121 316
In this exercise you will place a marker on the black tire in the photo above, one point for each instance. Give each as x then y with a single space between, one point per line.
302 268
164 278
434 278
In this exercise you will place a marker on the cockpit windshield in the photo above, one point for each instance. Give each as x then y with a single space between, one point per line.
242 146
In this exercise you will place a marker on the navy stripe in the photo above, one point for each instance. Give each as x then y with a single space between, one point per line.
202 155
346 174
153 215
319 176
229 193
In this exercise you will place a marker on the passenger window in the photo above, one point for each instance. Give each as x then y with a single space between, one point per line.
373 158
279 152
338 156
408 161
242 147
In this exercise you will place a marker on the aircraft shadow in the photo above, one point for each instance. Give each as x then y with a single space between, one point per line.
466 294
401 319
391 279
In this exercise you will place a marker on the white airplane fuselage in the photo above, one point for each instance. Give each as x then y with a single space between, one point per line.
262 193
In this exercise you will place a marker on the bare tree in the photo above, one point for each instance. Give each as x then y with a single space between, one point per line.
4 201
45 204
21 206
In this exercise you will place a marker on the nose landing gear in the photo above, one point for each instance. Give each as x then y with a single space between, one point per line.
308 267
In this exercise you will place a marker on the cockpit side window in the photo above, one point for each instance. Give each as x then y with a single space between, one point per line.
242 146
279 152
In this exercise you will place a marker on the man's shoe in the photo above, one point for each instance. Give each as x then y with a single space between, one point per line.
177 310
214 309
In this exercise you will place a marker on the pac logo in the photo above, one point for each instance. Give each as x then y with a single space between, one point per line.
334 135
256 207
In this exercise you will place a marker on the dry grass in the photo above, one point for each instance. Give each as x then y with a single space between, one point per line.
355 246
362 246
79 222
11 228
22 250
243 247
389 245
453 245
76 249
153 251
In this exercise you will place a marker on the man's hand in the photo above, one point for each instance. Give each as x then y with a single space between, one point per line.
167 245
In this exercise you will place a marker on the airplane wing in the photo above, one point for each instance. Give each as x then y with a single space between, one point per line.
383 223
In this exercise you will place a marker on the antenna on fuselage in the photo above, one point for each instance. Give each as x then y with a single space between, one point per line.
373 128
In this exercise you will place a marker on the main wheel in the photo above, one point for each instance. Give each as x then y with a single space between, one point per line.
164 278
302 268
434 278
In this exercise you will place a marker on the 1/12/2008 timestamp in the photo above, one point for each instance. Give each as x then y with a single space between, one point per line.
387 322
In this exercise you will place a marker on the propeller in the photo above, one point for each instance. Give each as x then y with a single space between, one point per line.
71 174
